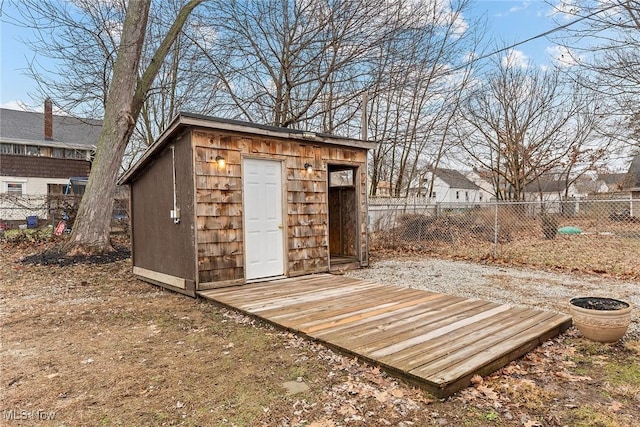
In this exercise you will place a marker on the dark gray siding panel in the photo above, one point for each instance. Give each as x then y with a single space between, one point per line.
159 244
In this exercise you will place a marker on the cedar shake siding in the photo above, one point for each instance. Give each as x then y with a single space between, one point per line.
219 203
42 167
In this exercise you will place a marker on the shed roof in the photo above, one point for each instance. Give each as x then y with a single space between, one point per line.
455 179
27 127
185 120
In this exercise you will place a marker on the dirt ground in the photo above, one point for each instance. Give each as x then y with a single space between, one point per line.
87 344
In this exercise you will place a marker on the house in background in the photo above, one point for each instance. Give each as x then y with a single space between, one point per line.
218 202
482 180
451 186
614 182
551 189
39 152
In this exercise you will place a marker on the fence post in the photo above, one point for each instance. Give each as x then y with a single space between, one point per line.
495 232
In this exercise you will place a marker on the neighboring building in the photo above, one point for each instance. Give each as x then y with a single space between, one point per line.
634 172
384 189
39 152
551 189
614 182
487 192
453 187
218 202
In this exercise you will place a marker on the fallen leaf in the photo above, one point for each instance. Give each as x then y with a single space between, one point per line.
382 396
615 406
476 379
396 392
323 422
571 377
488 391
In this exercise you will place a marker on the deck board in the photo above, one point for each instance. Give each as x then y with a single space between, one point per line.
435 340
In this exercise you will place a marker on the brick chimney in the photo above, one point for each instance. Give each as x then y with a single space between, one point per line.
48 119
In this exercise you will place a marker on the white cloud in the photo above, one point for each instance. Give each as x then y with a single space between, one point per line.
515 9
566 9
459 26
524 5
515 58
562 56
18 105
208 34
15 105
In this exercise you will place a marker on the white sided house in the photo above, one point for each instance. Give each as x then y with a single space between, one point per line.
451 186
40 152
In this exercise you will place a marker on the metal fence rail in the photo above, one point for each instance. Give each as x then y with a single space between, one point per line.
591 233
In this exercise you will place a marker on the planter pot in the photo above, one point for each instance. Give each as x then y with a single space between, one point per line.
601 319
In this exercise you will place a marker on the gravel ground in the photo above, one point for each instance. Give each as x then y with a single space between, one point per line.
516 286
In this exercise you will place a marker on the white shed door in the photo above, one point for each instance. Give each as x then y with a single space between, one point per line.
263 236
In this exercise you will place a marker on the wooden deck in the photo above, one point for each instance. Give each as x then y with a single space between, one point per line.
433 340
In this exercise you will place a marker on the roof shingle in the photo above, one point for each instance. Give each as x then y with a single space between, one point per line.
28 127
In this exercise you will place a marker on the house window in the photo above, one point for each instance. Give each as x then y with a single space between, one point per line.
480 196
57 153
55 189
457 195
6 149
19 149
433 195
14 188
466 196
32 150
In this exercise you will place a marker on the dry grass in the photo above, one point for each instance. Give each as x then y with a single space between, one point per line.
97 347
607 248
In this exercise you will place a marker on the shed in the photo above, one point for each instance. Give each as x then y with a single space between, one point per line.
218 202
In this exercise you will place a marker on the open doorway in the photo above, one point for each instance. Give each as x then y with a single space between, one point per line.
343 216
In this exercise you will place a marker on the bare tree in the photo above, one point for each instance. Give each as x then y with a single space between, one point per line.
603 46
291 62
525 123
123 86
127 92
421 75
81 38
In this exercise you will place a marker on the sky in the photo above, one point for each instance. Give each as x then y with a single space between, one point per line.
508 22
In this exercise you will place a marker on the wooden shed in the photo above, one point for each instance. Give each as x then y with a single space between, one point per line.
217 202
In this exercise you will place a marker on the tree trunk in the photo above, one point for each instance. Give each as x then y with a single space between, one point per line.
91 230
126 95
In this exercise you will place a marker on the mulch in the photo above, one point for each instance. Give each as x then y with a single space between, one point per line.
54 256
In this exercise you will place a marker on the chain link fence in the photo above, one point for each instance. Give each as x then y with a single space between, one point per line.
601 236
37 211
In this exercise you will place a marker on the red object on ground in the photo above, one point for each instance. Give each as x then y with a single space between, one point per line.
60 228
